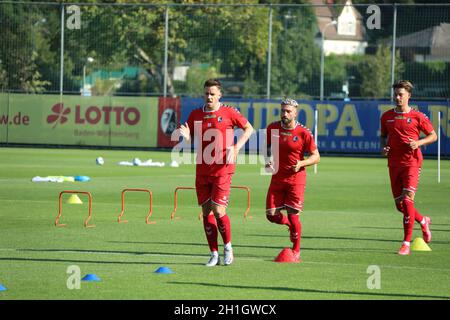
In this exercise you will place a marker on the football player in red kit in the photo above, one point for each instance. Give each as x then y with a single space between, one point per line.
212 125
287 143
400 142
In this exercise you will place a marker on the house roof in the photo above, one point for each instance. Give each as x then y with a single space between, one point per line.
326 12
436 38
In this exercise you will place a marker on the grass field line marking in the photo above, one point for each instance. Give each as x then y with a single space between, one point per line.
240 257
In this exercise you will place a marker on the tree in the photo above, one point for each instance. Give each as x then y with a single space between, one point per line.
196 76
19 25
3 78
120 36
376 73
295 56
233 40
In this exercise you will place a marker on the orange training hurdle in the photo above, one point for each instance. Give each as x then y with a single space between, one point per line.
60 208
151 204
248 199
175 200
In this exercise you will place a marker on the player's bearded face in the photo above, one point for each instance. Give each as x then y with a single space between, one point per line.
402 97
288 114
212 96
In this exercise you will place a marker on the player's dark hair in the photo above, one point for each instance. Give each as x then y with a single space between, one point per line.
213 83
403 84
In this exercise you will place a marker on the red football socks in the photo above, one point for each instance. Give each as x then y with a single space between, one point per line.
296 231
408 218
400 207
225 228
210 226
417 216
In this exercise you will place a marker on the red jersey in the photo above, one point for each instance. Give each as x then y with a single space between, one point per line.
213 132
292 146
400 128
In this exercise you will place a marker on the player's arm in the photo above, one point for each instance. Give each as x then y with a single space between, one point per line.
268 155
426 127
186 129
313 158
185 132
268 159
383 144
248 130
430 138
384 136
233 151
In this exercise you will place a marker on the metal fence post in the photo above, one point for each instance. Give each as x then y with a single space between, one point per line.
322 57
166 46
269 54
394 34
61 62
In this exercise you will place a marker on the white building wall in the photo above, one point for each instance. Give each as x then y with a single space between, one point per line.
344 47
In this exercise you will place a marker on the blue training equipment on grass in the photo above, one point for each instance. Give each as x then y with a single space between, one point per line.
91 277
2 288
82 178
166 270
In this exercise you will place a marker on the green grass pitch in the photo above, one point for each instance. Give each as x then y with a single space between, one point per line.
349 224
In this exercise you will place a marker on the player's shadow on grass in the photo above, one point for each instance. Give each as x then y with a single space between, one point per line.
199 244
203 245
356 293
439 230
392 228
379 228
416 229
344 238
147 263
109 252
432 229
325 237
262 246
91 251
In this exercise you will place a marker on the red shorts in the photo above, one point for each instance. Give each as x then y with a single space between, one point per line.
216 189
284 194
404 178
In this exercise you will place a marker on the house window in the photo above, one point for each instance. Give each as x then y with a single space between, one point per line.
347 28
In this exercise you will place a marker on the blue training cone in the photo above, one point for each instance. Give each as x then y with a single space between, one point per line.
91 277
165 270
2 288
